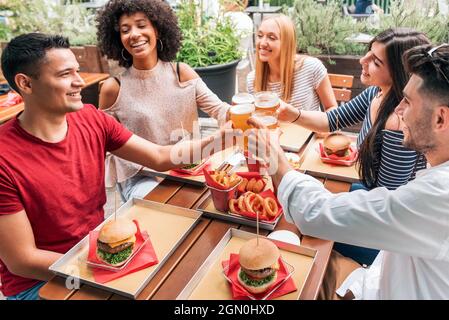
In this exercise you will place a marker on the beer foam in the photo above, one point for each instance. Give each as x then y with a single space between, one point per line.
268 120
242 109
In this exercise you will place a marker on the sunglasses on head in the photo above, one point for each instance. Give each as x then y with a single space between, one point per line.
437 67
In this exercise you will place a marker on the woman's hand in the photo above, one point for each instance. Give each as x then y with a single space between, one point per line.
287 112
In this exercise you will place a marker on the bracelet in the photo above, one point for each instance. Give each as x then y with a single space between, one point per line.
299 115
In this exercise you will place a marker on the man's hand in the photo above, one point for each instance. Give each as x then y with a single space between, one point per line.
265 145
223 138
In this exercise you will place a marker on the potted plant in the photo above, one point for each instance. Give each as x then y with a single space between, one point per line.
211 46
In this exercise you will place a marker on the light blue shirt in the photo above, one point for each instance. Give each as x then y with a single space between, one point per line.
411 225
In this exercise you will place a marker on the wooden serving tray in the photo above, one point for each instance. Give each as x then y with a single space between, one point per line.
311 163
167 226
209 283
293 136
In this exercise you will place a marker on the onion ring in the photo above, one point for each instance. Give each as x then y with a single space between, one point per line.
251 184
270 206
241 203
249 199
257 205
232 205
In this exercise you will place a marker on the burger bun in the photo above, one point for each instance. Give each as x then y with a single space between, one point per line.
253 256
117 230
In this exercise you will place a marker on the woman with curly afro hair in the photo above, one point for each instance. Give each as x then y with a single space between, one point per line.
153 97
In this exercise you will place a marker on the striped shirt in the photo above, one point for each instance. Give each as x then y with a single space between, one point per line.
306 81
396 165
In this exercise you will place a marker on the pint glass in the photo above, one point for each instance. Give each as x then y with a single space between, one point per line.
239 114
267 118
242 98
267 101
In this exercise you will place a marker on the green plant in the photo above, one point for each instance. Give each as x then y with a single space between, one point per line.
321 29
71 20
206 40
427 19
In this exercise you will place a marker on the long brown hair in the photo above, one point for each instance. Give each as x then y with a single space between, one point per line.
396 41
287 63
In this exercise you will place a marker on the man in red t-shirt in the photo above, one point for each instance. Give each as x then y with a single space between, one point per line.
52 156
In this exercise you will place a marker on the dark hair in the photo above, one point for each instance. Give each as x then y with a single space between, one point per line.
158 12
396 42
433 69
26 53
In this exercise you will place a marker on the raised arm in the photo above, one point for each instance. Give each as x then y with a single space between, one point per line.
313 120
326 94
206 100
163 158
18 249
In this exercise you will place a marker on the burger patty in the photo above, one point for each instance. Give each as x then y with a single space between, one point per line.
338 153
259 274
106 248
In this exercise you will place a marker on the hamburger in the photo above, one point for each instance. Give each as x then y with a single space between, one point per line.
116 241
337 144
258 265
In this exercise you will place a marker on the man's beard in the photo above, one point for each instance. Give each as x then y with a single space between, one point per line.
420 138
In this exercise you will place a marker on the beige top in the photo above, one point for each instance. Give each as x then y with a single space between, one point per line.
155 105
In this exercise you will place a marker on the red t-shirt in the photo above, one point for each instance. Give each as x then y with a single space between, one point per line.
59 185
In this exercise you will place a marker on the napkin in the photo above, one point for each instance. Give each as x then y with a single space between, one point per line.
198 172
145 258
240 293
12 99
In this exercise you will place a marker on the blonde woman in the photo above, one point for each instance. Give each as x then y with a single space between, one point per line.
299 80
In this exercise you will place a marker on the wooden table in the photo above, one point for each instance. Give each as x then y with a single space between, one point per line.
185 261
90 95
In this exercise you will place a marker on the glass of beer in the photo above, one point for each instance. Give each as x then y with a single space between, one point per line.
267 101
267 118
239 114
242 98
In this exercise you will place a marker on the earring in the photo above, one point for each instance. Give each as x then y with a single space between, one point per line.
162 45
123 55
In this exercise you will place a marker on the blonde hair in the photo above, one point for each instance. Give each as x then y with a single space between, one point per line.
287 59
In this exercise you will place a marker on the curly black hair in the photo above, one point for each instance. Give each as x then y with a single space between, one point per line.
160 14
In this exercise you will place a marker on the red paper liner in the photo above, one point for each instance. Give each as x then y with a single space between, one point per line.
12 99
145 258
334 159
251 162
267 193
231 268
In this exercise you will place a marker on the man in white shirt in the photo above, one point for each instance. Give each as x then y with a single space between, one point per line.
410 224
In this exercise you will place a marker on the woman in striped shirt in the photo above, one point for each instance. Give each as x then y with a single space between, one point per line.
383 160
299 80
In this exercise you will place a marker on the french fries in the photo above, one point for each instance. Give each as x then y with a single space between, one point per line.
226 181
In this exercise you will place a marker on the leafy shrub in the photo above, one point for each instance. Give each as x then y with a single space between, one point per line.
206 40
321 29
71 20
427 19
